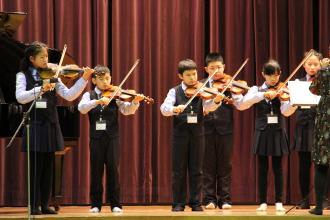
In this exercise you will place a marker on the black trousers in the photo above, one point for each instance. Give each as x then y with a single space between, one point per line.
305 163
217 168
320 184
187 154
105 151
263 173
41 171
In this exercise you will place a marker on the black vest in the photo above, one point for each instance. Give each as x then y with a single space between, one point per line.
305 116
109 114
42 115
263 108
221 120
180 125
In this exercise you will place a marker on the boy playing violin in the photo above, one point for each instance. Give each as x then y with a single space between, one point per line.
270 135
104 138
218 126
187 134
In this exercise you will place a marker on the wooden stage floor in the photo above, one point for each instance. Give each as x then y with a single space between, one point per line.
238 212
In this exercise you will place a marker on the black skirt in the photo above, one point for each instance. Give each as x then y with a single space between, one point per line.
303 137
44 137
270 142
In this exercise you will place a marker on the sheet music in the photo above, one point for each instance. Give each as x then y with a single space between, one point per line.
300 94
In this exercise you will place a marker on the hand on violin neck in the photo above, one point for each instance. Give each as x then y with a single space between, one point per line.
87 73
218 98
270 95
103 101
178 109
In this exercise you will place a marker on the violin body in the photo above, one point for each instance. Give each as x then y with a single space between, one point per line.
69 71
124 95
236 87
206 93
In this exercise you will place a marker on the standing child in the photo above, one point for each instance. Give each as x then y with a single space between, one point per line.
270 135
321 147
45 132
187 137
218 125
104 138
304 133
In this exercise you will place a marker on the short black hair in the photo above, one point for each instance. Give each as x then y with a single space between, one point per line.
314 53
271 67
213 57
100 70
186 64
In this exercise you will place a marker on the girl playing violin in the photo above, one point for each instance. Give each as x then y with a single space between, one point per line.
270 135
304 133
104 138
45 131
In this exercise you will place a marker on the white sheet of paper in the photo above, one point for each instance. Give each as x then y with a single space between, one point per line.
300 94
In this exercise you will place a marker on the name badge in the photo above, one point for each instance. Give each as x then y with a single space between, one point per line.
272 119
41 103
101 125
305 107
192 118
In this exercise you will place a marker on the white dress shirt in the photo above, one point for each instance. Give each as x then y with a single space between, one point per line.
86 104
254 96
167 107
24 96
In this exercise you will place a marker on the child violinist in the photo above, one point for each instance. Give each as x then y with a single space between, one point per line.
270 135
304 132
104 138
218 126
45 132
187 137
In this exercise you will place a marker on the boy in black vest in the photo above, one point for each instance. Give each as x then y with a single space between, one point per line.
218 126
187 145
104 138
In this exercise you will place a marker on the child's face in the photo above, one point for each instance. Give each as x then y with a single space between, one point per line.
215 66
41 59
189 77
102 82
312 65
272 80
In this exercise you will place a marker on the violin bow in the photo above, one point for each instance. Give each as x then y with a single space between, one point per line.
310 53
235 75
124 80
200 89
61 61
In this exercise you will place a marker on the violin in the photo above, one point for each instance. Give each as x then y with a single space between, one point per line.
205 93
125 95
236 87
68 71
282 91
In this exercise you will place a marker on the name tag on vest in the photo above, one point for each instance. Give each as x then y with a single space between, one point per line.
192 118
41 103
272 119
101 125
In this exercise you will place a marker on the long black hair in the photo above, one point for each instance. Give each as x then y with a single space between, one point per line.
32 50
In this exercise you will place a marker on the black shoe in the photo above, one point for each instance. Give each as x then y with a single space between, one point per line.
35 212
177 208
303 206
316 211
197 209
48 211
